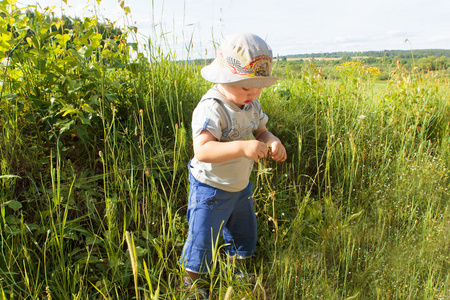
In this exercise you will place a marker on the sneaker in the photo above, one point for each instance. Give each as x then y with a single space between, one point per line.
244 277
193 291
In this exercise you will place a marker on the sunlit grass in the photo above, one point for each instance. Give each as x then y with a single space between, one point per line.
94 179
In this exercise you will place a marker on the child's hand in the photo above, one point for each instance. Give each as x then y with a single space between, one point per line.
255 150
277 151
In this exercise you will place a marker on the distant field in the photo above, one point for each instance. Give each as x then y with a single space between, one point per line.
322 58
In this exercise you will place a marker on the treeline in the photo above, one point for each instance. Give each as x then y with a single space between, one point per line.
423 62
379 54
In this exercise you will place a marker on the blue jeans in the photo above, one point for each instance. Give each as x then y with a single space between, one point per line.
212 212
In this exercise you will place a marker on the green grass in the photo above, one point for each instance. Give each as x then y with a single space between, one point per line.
94 151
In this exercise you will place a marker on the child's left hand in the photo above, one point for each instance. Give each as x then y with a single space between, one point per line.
277 151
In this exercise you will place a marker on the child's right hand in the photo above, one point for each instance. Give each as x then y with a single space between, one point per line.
254 150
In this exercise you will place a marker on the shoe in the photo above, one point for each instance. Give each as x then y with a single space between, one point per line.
244 277
193 291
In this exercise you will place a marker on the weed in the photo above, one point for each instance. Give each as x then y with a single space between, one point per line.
93 155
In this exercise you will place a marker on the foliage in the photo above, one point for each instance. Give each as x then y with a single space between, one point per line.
382 65
93 154
432 63
419 53
372 173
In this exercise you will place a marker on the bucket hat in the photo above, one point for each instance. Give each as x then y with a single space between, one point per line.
243 59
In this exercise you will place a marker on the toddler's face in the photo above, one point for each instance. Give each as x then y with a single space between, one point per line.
239 95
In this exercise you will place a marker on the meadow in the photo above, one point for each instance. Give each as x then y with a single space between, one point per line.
94 149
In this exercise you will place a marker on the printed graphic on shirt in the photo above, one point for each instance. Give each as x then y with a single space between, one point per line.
238 132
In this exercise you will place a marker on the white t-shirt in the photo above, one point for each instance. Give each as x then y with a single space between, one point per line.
226 122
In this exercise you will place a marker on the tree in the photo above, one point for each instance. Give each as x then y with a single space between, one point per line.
442 63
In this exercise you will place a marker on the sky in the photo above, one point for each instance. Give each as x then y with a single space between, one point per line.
288 26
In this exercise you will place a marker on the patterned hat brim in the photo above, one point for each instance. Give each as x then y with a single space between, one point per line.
214 73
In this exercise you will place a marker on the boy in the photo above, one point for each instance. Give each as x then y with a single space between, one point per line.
229 133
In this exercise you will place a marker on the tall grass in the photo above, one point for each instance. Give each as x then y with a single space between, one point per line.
94 149
376 226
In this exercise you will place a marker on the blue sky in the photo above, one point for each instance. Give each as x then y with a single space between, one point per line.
289 27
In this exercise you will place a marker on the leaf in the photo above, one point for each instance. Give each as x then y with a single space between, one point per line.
70 111
85 121
12 220
29 41
140 251
32 227
87 108
66 125
9 176
111 97
82 131
75 85
14 205
93 240
133 46
117 65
